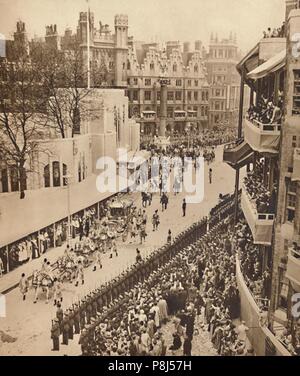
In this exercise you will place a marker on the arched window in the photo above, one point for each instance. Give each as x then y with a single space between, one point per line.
174 68
56 175
128 65
196 68
152 66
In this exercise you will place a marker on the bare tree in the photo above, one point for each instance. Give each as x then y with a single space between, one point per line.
64 77
22 113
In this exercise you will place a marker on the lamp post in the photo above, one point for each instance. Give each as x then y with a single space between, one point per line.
68 178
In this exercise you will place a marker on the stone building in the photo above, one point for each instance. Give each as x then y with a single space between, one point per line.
224 80
187 90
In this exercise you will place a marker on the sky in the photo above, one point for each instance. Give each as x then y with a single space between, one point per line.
184 20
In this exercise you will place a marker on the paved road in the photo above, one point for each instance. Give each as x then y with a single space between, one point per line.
29 324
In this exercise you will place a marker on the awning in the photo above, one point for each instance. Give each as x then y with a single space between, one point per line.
149 112
250 61
272 65
179 112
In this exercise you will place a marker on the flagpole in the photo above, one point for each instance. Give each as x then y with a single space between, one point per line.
88 47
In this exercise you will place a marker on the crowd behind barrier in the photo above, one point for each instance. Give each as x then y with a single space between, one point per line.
278 32
267 111
101 314
262 198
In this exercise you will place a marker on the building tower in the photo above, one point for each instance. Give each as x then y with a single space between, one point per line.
52 38
20 37
121 49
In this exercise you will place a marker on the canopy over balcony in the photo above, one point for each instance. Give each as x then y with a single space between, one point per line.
272 65
261 224
263 138
238 154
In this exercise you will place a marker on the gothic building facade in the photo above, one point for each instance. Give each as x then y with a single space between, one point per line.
188 89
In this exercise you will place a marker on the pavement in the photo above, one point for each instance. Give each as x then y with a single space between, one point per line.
26 328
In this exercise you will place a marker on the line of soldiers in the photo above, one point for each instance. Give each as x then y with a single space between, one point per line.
84 317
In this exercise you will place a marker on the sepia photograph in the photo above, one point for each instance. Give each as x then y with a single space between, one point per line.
150 180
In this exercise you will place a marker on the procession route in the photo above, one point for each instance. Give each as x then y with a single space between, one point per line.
26 328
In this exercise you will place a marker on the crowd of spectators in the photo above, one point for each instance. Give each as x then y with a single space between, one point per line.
278 32
267 111
257 278
264 200
195 291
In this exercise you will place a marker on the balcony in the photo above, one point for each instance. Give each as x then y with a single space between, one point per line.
148 116
238 154
263 138
261 224
293 268
180 115
296 165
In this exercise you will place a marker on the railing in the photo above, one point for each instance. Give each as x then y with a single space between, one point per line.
265 127
295 253
233 145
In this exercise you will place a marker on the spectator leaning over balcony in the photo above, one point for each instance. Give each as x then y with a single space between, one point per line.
277 113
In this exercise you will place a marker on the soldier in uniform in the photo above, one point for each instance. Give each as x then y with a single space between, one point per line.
82 314
83 341
55 333
71 323
65 327
94 304
77 318
59 313
89 309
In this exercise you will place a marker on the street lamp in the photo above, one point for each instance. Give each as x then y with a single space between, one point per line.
68 177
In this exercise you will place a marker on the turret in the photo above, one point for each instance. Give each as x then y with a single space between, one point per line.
121 48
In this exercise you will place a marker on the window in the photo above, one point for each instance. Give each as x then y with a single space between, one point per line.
178 82
147 81
170 95
135 81
195 95
291 201
174 68
202 111
218 92
189 95
196 82
195 108
152 66
196 68
203 96
170 112
128 65
296 97
128 81
158 95
217 106
56 174
147 95
135 95
207 95
178 95
189 83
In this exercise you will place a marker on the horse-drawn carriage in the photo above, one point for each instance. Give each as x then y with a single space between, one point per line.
120 213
